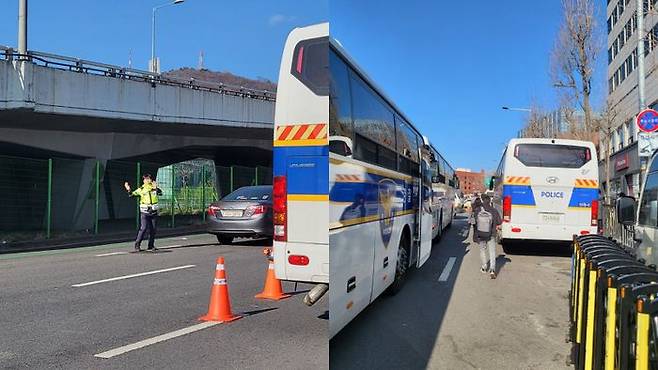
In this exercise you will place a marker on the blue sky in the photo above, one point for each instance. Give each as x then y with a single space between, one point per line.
451 65
243 37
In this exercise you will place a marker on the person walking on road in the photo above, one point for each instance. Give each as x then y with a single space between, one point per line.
486 223
148 210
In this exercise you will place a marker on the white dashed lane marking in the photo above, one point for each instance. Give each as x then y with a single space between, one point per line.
448 269
132 276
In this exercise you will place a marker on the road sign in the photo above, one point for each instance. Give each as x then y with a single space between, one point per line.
647 120
647 143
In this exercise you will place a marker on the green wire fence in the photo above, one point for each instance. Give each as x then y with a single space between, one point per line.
59 197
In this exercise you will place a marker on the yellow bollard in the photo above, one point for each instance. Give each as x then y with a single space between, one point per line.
642 335
574 283
589 334
610 326
581 286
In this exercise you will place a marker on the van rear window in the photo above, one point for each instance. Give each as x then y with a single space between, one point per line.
552 155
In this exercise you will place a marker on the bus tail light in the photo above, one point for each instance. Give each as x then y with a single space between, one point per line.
507 208
280 208
298 260
595 212
516 229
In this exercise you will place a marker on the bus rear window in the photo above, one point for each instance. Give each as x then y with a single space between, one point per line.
310 64
552 155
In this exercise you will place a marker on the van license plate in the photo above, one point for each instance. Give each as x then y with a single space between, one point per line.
551 219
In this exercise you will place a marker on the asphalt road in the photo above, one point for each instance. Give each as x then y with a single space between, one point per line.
45 322
518 321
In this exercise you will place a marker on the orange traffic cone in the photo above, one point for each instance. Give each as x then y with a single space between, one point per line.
272 288
219 308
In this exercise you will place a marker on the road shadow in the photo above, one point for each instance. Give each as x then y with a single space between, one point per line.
400 332
501 261
538 248
256 312
264 242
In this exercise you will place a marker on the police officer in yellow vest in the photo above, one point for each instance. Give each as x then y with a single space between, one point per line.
148 209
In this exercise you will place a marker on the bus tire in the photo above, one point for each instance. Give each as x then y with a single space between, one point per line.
439 233
401 265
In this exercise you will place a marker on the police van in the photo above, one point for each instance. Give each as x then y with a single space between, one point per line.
547 189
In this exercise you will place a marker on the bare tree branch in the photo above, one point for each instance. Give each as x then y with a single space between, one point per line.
574 55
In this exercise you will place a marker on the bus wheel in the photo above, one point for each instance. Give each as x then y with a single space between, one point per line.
400 266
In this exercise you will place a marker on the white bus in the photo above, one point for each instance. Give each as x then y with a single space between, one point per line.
300 189
354 182
547 189
390 192
444 185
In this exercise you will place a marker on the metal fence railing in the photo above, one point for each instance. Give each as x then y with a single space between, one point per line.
622 234
97 68
60 197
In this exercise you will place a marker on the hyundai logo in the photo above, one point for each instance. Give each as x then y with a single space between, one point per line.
552 180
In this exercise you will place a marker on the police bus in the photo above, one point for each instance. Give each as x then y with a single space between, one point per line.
354 183
547 189
444 188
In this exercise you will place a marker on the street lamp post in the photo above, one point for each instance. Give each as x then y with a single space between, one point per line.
518 109
152 66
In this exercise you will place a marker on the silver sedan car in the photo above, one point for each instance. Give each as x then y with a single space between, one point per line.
246 212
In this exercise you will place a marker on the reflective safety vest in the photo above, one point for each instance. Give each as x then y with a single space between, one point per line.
148 195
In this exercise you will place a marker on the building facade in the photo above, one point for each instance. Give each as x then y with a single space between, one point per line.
625 165
470 182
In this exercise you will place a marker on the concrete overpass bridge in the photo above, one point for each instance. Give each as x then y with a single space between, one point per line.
62 107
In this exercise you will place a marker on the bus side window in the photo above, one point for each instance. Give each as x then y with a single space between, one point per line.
373 123
341 129
649 204
407 147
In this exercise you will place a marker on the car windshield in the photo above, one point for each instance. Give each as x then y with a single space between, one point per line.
252 193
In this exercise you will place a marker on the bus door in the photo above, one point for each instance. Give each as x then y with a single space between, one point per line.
425 213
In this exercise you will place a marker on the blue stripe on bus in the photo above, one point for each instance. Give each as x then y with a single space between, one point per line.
377 195
582 197
308 175
521 194
281 155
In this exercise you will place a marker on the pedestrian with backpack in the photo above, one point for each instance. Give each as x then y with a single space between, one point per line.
487 222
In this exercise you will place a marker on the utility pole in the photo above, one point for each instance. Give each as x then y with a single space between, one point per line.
22 27
640 54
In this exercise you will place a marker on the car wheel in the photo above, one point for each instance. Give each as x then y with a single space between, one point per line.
401 266
224 239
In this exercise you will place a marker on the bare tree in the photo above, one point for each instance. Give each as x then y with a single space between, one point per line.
535 125
574 55
605 123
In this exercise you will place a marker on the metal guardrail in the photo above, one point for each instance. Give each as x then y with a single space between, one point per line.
612 229
108 70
